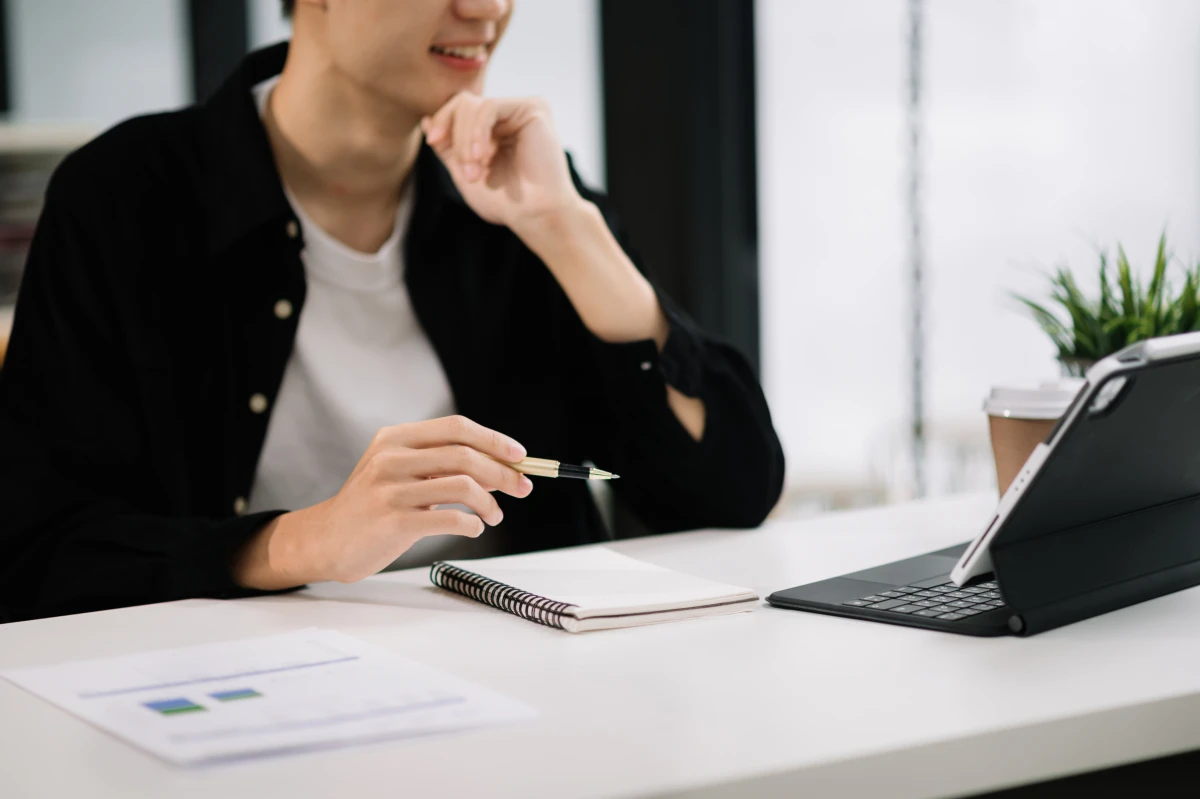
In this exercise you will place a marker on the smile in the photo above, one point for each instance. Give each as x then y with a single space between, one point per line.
474 52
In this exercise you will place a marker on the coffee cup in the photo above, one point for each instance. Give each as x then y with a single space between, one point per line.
1021 418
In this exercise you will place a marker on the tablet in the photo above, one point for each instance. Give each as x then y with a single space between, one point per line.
1130 440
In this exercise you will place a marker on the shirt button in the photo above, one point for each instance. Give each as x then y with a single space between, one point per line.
283 309
258 403
239 506
293 230
647 366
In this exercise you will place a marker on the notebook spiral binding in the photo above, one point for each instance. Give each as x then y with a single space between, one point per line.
499 595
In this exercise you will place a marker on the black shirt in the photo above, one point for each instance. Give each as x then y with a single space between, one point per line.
145 324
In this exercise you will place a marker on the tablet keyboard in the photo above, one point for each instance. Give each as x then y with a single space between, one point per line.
947 601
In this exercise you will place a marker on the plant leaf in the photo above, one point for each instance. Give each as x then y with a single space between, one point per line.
1126 311
1053 327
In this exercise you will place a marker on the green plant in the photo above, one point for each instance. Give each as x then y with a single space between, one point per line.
1125 312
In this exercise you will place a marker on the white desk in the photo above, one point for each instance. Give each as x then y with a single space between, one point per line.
771 703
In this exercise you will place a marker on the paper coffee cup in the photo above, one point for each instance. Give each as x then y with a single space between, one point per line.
1020 418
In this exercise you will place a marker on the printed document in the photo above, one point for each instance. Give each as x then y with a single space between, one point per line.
313 689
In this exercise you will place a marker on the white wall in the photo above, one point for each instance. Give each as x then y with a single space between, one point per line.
551 49
96 62
830 172
1055 126
100 62
1052 125
267 23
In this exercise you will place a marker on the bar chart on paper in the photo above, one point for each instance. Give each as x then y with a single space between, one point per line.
301 691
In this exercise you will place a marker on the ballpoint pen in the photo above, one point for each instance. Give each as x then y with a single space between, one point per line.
541 467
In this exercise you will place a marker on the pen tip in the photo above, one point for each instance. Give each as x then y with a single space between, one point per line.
615 477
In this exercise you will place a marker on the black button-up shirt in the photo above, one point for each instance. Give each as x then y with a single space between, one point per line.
146 340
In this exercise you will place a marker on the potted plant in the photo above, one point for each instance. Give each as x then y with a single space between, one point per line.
1087 329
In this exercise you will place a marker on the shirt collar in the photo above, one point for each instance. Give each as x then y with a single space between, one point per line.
243 191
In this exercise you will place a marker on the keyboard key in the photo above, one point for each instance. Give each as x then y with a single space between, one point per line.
908 589
887 604
873 598
891 594
990 584
951 616
907 609
971 611
958 594
975 589
927 603
943 589
958 603
991 595
857 603
992 603
944 609
931 614
927 594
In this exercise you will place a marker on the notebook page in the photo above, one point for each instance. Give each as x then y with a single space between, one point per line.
601 582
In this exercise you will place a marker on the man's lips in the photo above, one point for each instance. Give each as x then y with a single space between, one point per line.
464 57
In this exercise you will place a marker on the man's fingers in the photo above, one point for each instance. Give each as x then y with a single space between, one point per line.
452 522
436 134
457 490
439 128
514 114
483 141
461 459
468 128
465 124
453 430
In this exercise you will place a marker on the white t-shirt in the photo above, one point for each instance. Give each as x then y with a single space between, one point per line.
360 362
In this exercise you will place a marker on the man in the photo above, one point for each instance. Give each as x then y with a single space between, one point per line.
296 334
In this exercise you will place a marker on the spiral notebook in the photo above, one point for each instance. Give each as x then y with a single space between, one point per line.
589 588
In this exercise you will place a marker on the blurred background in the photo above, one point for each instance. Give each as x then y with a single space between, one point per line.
848 191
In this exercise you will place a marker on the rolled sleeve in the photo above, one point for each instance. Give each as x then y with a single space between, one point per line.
637 367
732 476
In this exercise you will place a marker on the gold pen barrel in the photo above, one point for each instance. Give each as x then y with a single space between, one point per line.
538 467
535 463
544 467
535 471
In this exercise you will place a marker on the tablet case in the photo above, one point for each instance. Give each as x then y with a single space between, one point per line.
1113 516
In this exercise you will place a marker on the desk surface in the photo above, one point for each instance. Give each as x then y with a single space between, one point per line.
769 703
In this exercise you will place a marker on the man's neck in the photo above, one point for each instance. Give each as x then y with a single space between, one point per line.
343 151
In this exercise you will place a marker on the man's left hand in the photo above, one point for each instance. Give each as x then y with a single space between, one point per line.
505 158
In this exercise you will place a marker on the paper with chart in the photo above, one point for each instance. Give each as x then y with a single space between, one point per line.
313 689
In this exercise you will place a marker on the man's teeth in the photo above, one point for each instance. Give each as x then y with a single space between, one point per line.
472 52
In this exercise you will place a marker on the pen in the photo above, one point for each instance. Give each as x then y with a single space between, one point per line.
541 467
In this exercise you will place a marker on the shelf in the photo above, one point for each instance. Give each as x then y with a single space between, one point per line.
22 139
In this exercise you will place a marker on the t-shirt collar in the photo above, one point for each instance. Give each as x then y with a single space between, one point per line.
242 190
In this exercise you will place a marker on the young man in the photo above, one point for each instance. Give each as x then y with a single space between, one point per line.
295 334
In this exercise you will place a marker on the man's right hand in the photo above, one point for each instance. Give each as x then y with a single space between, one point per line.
388 503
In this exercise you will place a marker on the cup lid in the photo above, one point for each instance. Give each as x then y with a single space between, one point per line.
1046 401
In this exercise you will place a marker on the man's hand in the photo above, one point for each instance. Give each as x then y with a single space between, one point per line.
508 164
388 503
505 158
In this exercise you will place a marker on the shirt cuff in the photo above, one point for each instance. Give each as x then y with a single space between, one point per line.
636 367
207 569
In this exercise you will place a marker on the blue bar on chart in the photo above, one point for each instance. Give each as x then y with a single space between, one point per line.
231 696
173 707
